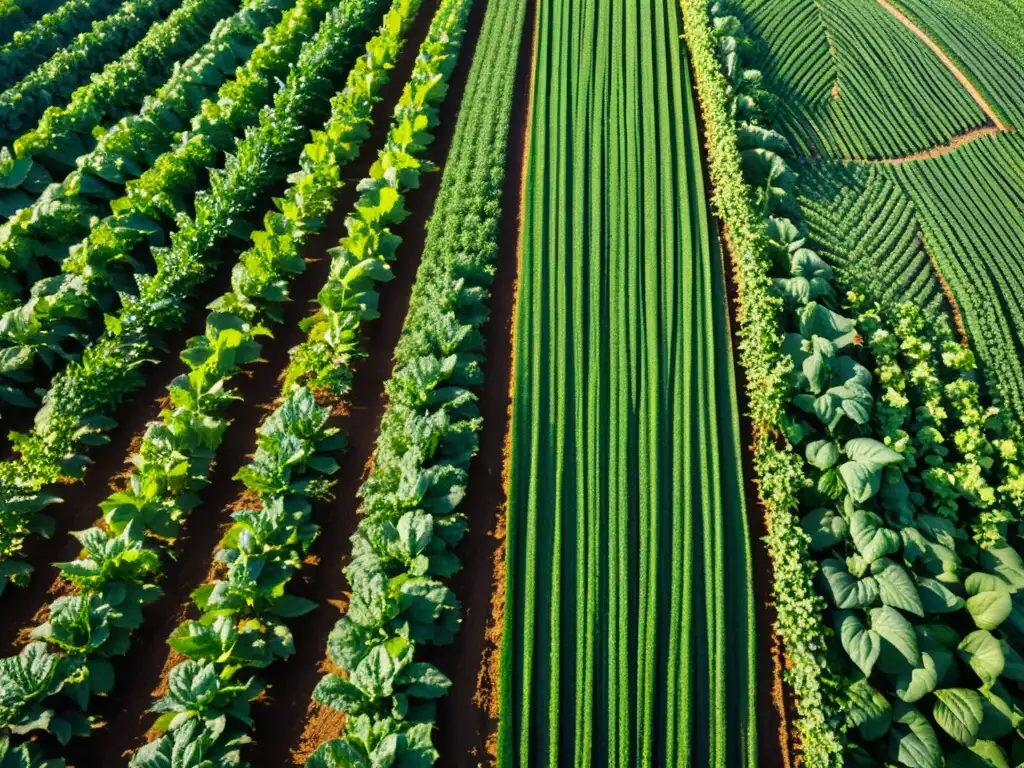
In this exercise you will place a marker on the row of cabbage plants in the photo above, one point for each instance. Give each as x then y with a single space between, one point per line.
403 551
243 626
895 580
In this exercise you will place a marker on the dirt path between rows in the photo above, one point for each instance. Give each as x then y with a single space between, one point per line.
960 140
947 62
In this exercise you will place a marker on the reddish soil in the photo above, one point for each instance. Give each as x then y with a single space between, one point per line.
947 291
149 661
467 718
290 729
954 144
80 507
774 701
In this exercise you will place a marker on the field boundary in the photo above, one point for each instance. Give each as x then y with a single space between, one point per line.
958 141
947 62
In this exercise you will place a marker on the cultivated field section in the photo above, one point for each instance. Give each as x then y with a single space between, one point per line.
629 628
511 383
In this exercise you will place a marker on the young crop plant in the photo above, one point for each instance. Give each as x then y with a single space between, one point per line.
403 548
77 409
897 588
123 556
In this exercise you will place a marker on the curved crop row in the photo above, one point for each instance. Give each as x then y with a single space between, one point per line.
898 594
55 79
266 547
969 205
42 231
403 548
868 229
123 557
975 34
888 94
77 409
31 47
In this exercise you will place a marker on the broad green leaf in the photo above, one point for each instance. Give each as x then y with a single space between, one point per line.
913 742
861 643
998 716
868 451
913 684
981 754
897 589
936 598
872 539
867 710
822 453
1013 669
862 480
989 609
847 590
958 711
984 654
825 527
899 642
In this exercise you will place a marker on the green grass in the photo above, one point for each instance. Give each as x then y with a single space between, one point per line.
629 635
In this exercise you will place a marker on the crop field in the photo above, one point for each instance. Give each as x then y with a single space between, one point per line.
511 383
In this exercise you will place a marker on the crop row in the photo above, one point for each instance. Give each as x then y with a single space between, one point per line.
629 599
975 34
123 557
54 79
412 518
32 46
967 203
888 94
898 593
867 228
17 15
37 230
266 547
77 409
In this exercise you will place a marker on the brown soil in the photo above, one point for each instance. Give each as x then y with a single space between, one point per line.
80 507
149 660
948 63
954 144
467 717
947 291
775 737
